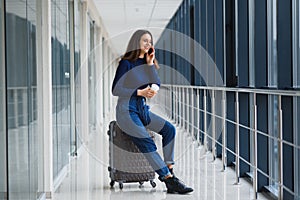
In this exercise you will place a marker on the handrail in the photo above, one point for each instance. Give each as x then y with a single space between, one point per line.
181 104
271 91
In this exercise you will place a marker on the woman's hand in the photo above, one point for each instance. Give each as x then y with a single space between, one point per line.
150 57
146 92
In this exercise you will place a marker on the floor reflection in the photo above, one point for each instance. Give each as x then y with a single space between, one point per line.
88 176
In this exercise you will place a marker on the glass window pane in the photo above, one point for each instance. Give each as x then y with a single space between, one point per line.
251 44
77 61
61 85
91 73
273 144
3 180
33 135
272 43
273 101
16 28
22 99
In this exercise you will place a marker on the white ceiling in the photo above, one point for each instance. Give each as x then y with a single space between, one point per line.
122 17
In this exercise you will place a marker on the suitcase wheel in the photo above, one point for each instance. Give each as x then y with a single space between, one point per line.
141 182
153 184
121 185
112 183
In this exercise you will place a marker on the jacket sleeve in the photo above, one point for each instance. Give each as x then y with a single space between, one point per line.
154 78
119 87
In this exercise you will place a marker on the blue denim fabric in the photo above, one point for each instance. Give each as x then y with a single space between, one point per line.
129 121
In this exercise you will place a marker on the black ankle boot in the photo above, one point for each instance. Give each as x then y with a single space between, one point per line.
174 185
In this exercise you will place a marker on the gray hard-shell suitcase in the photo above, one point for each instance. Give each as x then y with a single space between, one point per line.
126 163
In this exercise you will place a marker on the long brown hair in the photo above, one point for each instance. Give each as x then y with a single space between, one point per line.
133 49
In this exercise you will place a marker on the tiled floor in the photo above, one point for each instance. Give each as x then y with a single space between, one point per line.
88 176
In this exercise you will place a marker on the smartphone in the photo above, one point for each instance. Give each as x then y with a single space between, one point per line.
150 50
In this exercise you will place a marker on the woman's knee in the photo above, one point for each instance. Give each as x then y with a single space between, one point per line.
170 129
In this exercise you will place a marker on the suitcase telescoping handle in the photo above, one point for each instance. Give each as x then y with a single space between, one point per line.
112 129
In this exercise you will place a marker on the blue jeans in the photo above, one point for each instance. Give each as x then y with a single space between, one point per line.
129 121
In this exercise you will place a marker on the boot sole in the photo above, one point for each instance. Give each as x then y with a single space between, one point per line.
175 192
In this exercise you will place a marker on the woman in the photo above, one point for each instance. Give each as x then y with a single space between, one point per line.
134 76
